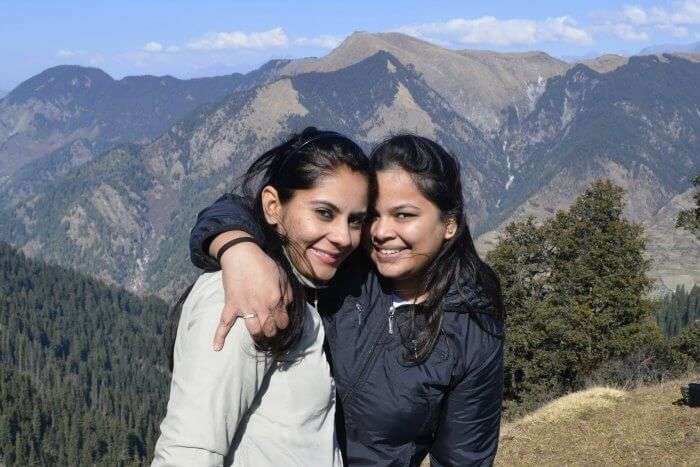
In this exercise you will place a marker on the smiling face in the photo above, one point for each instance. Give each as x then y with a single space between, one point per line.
407 232
322 224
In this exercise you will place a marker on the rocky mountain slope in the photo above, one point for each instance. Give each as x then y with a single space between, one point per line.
638 125
125 216
528 145
478 84
67 103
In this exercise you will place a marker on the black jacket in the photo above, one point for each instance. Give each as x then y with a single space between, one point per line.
391 413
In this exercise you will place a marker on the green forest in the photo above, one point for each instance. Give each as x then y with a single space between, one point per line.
83 376
83 370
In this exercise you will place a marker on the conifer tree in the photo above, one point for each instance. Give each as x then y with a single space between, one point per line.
575 290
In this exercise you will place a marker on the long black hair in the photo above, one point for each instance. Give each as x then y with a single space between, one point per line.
457 265
297 164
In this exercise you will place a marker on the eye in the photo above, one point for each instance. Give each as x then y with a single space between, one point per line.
325 213
356 221
404 215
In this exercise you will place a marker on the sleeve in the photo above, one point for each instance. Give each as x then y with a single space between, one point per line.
210 392
230 212
470 418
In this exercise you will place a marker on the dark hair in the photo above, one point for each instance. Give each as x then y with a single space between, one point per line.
296 164
436 173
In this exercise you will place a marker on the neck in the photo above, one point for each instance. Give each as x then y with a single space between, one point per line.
408 289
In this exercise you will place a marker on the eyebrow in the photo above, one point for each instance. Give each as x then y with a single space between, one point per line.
334 208
405 205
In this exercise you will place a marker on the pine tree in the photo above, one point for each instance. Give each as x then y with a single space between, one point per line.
575 290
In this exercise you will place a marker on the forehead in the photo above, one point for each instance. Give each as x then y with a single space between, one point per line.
396 186
343 187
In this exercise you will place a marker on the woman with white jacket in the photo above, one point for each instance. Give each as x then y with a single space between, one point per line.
270 401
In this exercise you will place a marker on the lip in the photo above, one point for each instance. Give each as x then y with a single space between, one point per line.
325 257
389 257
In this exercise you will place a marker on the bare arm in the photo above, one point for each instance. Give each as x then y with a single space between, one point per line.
252 281
254 285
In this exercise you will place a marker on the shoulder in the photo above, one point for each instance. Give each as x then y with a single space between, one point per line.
477 338
201 313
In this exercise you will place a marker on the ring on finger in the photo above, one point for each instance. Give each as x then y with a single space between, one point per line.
247 315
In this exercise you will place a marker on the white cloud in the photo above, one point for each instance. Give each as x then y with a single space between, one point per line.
636 23
63 53
96 60
675 31
492 30
153 47
628 33
274 38
563 28
685 13
322 41
635 14
172 49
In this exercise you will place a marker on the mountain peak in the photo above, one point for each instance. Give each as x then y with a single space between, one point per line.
61 80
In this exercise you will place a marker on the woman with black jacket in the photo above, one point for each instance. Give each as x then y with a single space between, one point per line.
414 325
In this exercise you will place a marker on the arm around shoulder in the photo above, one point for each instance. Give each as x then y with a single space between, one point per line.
230 212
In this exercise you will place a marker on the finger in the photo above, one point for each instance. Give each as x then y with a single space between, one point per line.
253 324
269 327
279 315
228 317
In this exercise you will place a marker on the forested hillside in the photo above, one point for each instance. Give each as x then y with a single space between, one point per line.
82 368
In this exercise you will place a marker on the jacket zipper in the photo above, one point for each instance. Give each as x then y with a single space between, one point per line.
392 310
367 365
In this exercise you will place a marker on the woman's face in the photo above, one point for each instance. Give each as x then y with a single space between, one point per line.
323 224
407 232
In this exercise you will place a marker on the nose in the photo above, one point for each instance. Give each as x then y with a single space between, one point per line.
340 235
381 230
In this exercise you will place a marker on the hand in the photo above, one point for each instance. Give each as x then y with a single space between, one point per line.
253 284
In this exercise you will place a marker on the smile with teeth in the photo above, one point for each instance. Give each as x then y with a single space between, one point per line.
388 252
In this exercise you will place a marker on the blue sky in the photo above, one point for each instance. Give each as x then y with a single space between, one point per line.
208 37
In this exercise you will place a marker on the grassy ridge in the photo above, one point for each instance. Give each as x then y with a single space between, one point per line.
603 426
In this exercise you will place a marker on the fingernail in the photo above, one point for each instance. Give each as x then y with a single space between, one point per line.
217 347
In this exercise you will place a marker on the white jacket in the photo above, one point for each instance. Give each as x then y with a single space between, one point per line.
225 408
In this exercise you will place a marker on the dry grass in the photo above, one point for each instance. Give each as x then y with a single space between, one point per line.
603 426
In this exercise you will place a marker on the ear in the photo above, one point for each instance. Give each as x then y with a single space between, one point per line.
450 228
271 205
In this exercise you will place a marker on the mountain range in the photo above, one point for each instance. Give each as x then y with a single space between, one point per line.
106 178
693 47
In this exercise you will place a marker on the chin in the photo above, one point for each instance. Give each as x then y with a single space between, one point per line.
323 273
325 277
389 270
